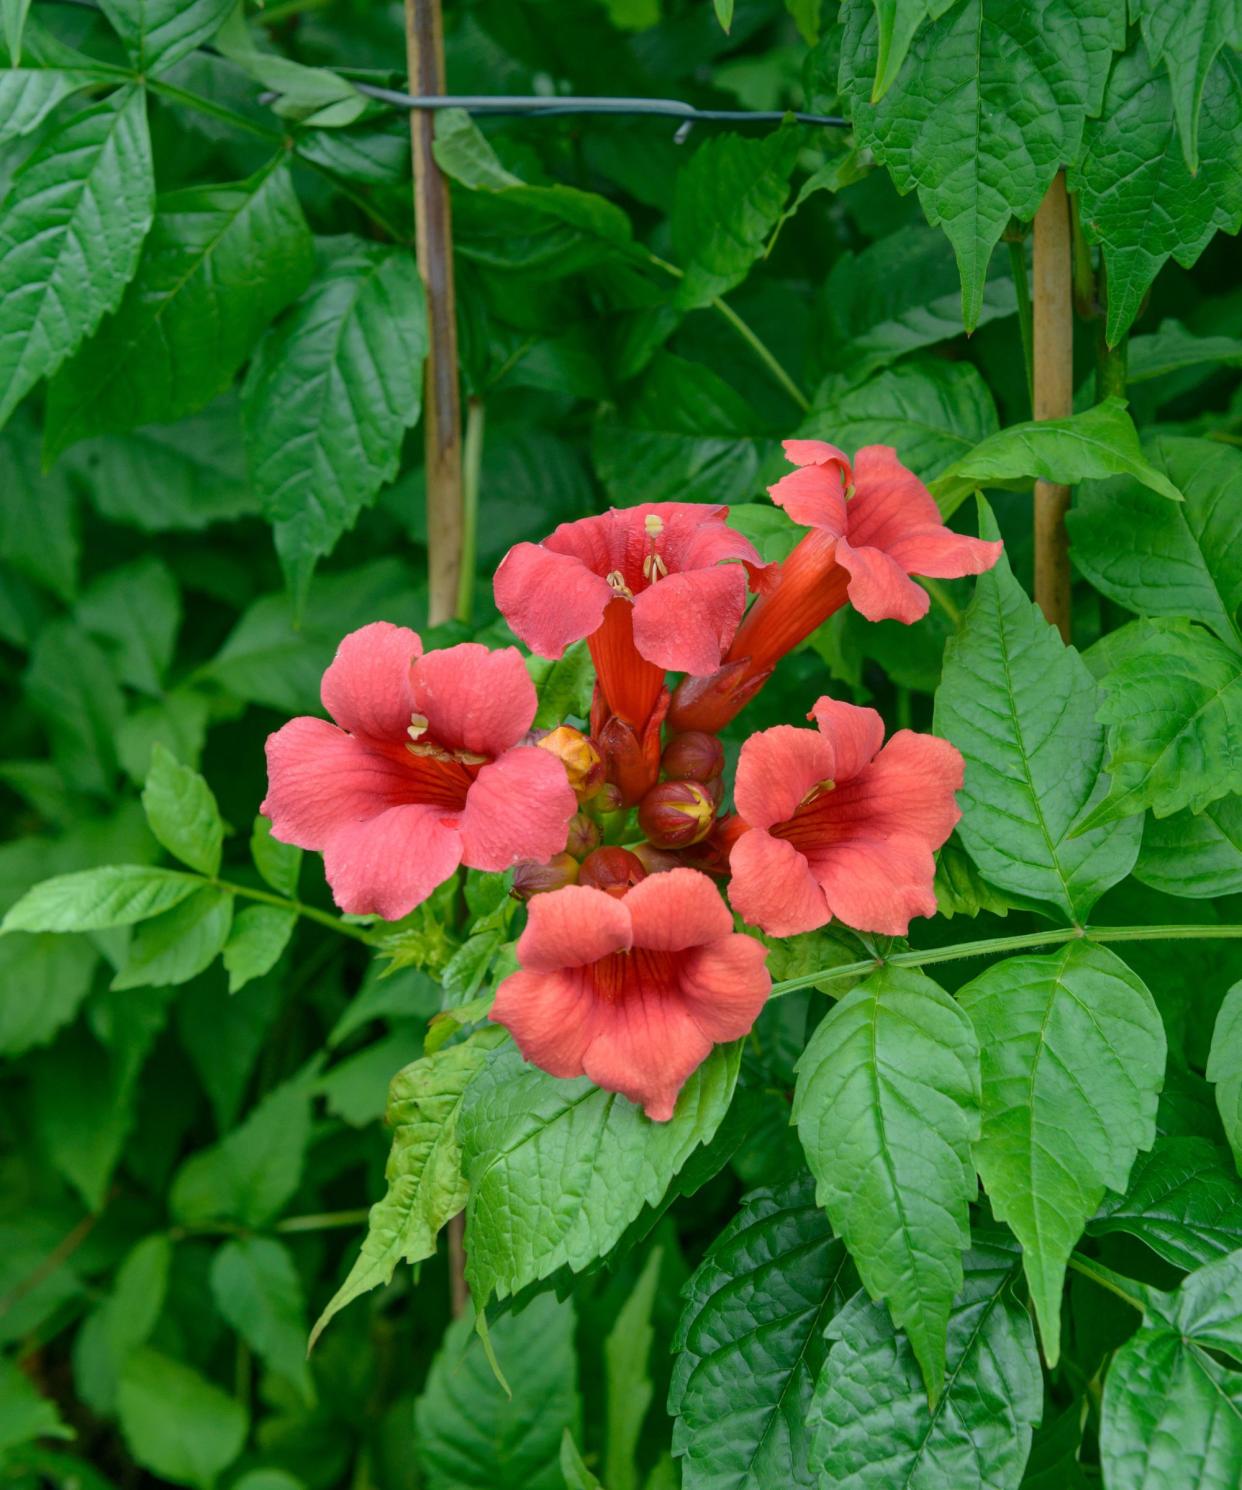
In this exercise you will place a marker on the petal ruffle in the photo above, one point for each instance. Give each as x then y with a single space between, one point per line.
696 536
772 887
879 587
319 779
816 453
474 699
676 909
685 623
518 807
940 553
776 769
725 985
571 928
855 734
878 883
910 787
366 688
549 1017
391 863
645 1046
813 496
549 598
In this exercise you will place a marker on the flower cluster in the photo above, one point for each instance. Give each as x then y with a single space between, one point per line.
630 964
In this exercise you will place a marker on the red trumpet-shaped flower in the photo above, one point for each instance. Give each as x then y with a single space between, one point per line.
420 773
645 585
837 826
871 528
632 992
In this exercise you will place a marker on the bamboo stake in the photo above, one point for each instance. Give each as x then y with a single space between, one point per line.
424 34
1053 341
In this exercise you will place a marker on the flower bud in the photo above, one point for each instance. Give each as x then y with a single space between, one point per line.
532 878
583 835
608 799
694 756
656 860
675 814
613 870
581 757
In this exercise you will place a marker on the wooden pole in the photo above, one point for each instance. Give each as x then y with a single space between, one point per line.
1053 345
424 34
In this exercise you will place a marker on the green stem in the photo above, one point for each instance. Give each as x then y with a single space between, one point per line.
323 1222
1110 362
218 111
471 470
748 335
1022 290
995 946
1107 1279
942 598
324 918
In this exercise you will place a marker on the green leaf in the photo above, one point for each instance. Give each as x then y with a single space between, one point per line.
224 1038
577 1475
92 899
932 412
178 722
257 1289
178 1424
25 1414
1171 348
529 1139
1197 855
278 863
157 33
1224 1068
74 220
897 295
258 936
728 200
1173 707
471 1435
182 813
29 94
71 686
43 980
682 437
13 14
220 263
1164 559
1098 443
1187 37
960 889
627 1376
38 519
1020 706
179 477
178 944
989 102
424 1170
1072 1044
871 1426
750 1343
887 1106
724 14
1183 1201
249 1175
564 686
1172 1414
329 395
135 613
121 1323
897 22
1136 197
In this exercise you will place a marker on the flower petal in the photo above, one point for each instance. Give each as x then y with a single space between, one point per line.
391 863
816 453
519 807
366 688
549 1017
473 698
549 599
776 769
889 500
675 909
855 734
645 1046
910 787
879 587
685 622
319 778
725 984
772 886
695 536
813 496
878 883
572 928
940 553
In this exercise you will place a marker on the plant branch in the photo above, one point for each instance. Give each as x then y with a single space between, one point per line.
1053 394
323 918
999 945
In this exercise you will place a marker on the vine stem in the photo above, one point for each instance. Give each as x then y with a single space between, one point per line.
995 946
1105 1278
1053 393
324 918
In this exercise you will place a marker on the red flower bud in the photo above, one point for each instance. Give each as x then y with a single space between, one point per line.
583 835
694 756
532 878
613 870
581 757
675 814
656 860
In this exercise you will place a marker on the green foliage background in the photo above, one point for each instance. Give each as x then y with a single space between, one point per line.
210 470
